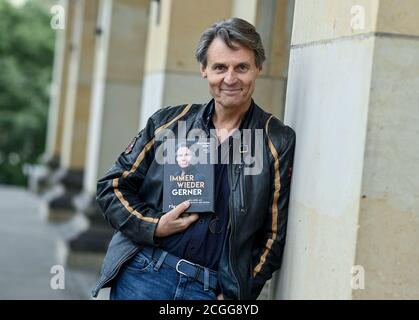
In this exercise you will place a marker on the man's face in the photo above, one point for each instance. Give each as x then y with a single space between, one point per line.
231 74
184 157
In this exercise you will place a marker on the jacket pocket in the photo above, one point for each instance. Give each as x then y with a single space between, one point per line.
140 263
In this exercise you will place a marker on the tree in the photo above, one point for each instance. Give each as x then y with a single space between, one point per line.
26 58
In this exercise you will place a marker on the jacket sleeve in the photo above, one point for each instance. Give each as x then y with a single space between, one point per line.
269 249
117 192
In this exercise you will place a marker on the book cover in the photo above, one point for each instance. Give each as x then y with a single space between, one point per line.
186 180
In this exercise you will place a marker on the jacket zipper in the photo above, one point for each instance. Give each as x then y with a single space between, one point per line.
231 223
240 176
242 198
115 272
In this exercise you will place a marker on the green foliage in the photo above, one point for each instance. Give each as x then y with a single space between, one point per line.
26 57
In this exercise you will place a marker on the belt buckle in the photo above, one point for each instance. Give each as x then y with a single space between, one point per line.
186 261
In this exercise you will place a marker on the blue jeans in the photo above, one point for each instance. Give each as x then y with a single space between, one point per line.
143 278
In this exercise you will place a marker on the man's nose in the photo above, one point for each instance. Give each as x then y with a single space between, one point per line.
230 78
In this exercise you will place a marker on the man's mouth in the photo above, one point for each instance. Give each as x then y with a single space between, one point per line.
230 90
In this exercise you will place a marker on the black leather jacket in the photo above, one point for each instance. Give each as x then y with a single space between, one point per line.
130 195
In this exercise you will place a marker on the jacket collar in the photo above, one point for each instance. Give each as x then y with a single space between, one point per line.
207 111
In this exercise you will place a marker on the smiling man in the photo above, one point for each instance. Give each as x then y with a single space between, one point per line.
226 255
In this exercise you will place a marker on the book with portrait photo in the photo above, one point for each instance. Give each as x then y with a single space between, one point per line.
186 180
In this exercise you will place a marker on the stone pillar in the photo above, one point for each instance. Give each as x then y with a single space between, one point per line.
171 70
353 100
40 175
117 86
63 48
67 181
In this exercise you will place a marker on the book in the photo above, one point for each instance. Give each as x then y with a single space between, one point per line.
186 180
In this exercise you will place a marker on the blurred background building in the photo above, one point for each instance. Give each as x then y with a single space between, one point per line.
343 74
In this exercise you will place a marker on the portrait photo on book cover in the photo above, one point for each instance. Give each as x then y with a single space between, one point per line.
188 179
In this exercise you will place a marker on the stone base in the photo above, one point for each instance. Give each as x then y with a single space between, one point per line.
79 260
65 185
86 236
39 175
94 239
58 215
51 162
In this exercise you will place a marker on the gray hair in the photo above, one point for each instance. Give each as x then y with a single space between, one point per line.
232 30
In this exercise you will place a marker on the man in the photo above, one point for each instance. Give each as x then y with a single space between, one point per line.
170 256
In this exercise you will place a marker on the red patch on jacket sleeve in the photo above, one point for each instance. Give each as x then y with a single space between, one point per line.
131 146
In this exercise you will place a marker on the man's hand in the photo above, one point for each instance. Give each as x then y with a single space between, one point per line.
172 222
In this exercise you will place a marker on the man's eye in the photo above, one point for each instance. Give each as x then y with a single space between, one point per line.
219 68
243 67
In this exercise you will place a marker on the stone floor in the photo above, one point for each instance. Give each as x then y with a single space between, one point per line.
28 251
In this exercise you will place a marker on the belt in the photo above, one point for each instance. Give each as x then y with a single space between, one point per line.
186 268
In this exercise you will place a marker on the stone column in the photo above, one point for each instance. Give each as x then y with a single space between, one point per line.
63 48
117 86
171 71
40 175
353 100
67 181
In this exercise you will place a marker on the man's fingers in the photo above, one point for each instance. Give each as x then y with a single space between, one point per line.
176 212
191 218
